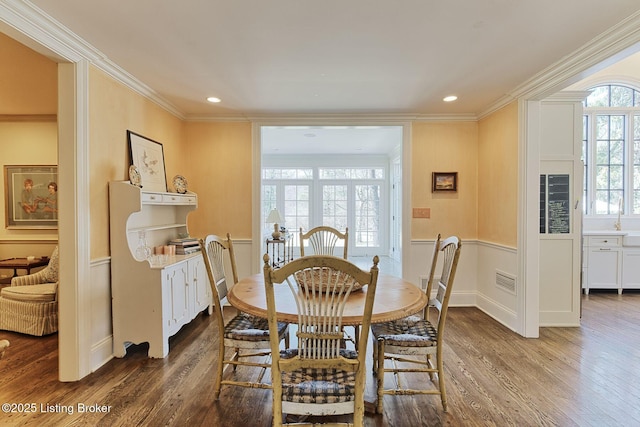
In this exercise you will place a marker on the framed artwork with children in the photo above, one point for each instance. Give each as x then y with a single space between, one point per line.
31 196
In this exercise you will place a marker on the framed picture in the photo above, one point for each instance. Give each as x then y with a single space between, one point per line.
31 196
444 181
148 156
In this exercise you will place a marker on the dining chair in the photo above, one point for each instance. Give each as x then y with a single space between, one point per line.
320 377
324 240
428 288
410 343
246 336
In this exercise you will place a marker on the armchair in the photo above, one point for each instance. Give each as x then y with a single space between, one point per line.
30 304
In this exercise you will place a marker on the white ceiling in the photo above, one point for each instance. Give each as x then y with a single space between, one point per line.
282 57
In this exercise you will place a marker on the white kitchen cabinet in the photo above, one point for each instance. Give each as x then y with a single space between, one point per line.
604 258
152 299
631 269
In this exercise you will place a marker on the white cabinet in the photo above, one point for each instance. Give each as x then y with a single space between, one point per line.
151 302
631 269
604 260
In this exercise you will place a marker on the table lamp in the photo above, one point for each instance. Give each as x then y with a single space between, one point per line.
275 217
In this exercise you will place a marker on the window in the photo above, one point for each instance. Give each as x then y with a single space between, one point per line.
611 151
340 197
289 191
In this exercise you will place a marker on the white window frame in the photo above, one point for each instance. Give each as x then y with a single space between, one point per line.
355 161
632 114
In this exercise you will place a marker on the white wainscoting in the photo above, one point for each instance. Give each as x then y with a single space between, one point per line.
99 312
492 299
464 285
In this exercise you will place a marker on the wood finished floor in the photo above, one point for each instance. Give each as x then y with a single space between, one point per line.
587 376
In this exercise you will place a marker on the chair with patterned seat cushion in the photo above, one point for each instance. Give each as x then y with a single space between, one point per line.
410 343
319 378
30 304
246 336
326 240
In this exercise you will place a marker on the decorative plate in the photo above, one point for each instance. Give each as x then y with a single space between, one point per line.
180 184
134 176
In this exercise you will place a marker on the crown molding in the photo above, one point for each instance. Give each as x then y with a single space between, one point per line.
610 46
27 23
567 96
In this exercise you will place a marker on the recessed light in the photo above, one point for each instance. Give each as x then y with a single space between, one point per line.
449 98
213 99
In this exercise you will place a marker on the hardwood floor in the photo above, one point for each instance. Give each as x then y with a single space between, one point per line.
587 376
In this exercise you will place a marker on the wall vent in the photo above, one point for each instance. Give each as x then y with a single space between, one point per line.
506 281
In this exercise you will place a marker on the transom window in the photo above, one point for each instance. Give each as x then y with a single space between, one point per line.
611 151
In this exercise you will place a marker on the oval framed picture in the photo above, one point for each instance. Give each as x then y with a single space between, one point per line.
134 176
180 184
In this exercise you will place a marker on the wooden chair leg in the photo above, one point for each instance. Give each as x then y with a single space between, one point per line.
380 374
219 372
4 344
441 386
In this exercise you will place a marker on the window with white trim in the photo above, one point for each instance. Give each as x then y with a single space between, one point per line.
340 197
611 150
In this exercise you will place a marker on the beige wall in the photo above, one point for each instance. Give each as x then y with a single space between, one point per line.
28 80
498 176
219 156
28 133
114 109
444 147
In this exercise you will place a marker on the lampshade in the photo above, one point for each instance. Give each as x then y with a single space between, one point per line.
274 216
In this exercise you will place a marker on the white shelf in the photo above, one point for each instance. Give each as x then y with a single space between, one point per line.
156 227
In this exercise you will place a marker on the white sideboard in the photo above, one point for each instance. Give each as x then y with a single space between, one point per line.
151 298
608 263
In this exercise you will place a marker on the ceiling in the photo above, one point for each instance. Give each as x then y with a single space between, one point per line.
285 57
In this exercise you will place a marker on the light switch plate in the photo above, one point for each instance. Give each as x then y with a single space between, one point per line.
421 212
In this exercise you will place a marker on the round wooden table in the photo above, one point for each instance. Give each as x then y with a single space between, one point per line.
395 299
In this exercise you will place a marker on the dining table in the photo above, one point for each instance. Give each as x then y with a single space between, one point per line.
395 298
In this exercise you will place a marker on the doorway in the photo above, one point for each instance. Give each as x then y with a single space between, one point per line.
343 176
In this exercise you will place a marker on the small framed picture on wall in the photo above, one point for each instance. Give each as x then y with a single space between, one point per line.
444 181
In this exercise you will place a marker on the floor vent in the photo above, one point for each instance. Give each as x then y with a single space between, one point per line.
506 281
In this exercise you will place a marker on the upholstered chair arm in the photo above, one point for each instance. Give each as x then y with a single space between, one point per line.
30 279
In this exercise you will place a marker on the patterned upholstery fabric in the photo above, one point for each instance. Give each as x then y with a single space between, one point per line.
45 292
29 318
318 385
245 327
50 273
411 331
30 304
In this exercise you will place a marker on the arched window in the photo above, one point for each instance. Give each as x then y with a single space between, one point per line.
611 150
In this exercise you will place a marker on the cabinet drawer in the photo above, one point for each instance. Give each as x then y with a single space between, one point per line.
178 199
151 198
607 241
